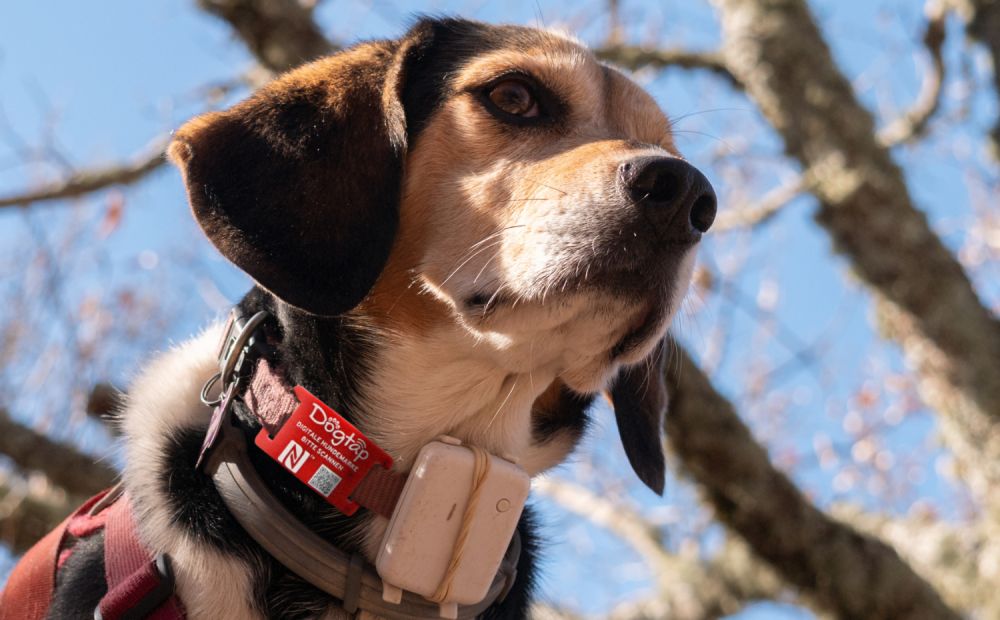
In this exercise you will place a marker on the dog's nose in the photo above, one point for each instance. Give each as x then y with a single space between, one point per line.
673 189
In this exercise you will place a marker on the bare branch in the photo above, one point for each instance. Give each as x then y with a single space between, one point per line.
62 464
848 573
281 34
87 181
913 123
29 511
616 33
926 301
765 208
956 557
983 24
688 587
624 523
634 57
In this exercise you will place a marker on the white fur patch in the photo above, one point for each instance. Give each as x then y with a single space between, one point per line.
163 399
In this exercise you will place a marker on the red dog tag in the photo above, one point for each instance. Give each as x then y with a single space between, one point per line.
323 450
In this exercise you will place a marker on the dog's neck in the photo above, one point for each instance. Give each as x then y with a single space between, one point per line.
405 388
444 382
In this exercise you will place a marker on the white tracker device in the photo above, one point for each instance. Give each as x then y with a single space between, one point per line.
420 541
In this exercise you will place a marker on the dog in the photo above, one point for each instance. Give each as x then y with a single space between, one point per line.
470 231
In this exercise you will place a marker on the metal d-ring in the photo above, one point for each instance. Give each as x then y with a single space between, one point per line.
235 354
231 358
211 402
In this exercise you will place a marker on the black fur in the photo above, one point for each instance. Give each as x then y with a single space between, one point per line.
80 582
568 415
639 394
327 356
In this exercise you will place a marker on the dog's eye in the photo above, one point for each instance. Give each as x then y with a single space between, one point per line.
515 98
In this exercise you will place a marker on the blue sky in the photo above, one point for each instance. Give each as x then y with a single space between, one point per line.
96 82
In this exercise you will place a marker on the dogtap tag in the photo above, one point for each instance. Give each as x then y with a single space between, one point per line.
323 450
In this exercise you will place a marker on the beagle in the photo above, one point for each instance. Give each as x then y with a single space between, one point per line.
470 230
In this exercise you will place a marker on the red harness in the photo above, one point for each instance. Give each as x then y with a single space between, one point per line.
139 585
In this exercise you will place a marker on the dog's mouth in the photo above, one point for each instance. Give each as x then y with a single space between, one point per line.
647 287
483 303
639 331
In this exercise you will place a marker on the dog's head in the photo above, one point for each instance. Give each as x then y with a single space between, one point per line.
514 185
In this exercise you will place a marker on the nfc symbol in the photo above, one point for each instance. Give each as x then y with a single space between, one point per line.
293 457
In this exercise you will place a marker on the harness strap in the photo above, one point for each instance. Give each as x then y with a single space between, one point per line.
31 584
138 586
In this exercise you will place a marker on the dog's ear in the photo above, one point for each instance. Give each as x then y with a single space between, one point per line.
299 185
639 396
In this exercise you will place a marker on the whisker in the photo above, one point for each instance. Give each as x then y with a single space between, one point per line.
500 408
555 189
485 265
673 121
494 235
466 261
490 300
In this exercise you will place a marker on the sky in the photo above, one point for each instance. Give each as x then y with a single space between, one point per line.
84 83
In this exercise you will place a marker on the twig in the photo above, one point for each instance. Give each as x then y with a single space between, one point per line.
913 123
689 587
616 33
764 209
92 180
618 519
636 57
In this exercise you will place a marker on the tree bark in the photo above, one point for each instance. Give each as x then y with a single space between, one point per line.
925 300
281 34
26 514
62 464
849 573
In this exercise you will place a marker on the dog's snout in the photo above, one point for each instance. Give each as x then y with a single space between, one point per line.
676 191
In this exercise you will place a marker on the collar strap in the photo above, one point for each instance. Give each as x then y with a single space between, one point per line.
346 577
272 401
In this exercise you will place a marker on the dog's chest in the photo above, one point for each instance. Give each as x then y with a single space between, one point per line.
423 387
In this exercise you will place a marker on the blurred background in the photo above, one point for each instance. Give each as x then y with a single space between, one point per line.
844 308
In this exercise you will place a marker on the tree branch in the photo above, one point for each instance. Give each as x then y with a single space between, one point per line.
62 464
982 19
27 512
913 123
850 574
926 301
688 587
764 209
281 34
87 181
956 558
909 126
636 57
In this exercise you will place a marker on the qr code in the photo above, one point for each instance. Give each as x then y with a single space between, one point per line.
324 480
